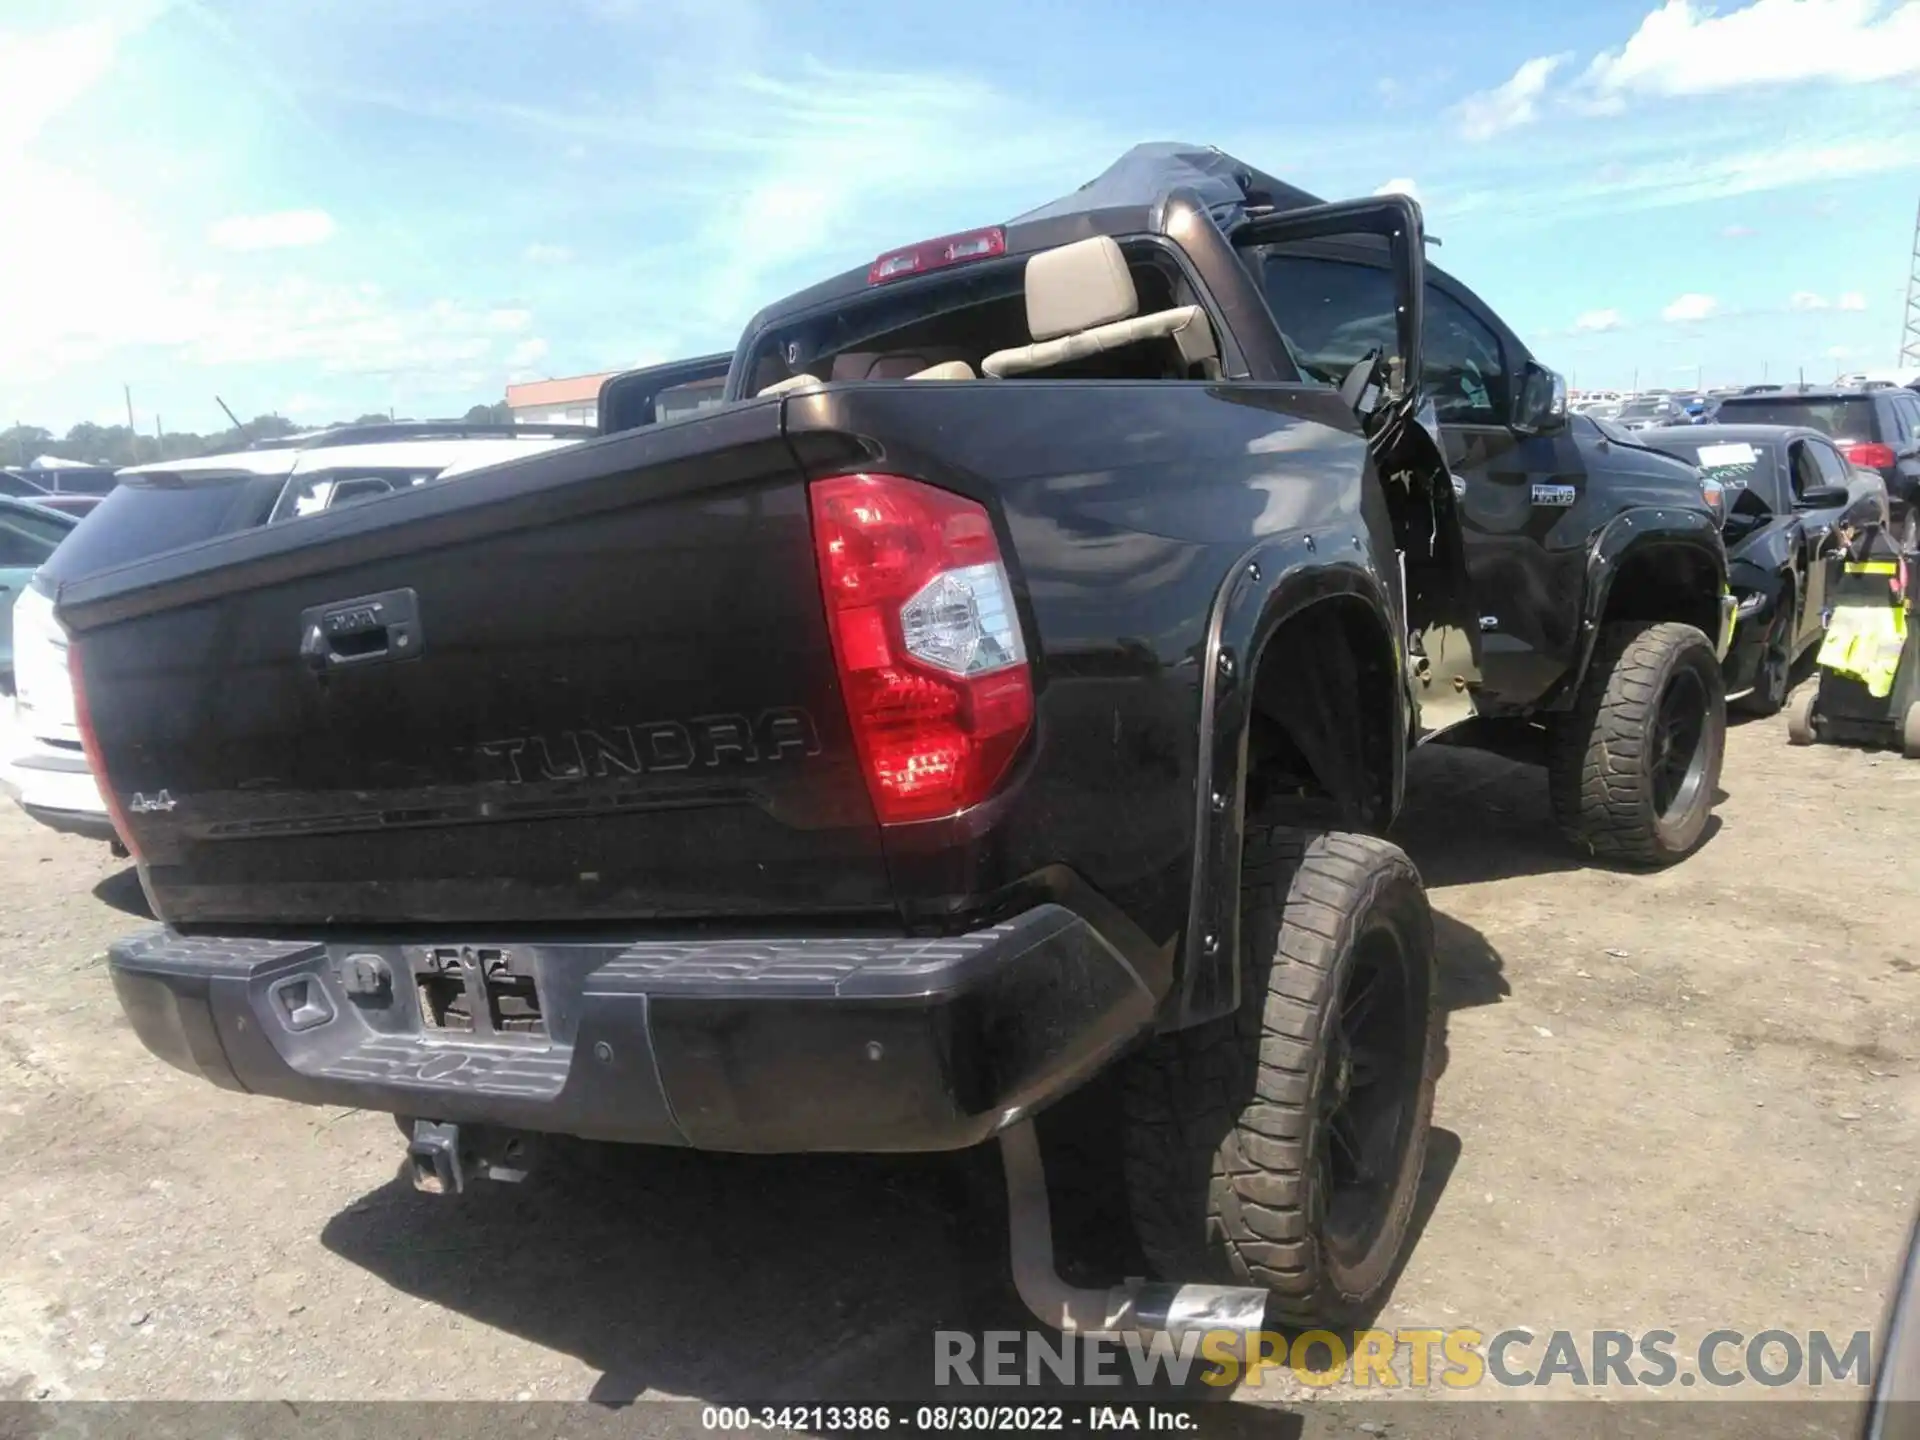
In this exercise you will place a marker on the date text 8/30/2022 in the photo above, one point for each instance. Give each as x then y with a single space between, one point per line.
943 1419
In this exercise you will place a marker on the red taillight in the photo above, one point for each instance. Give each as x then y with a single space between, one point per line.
937 254
90 745
927 641
1868 455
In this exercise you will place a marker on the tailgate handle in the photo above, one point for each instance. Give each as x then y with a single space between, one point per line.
363 631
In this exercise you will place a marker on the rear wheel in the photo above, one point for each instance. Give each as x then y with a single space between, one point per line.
1282 1145
1774 675
1800 726
1910 732
1633 769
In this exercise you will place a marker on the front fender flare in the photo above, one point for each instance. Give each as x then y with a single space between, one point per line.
1628 535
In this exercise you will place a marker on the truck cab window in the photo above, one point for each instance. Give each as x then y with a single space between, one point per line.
976 323
1333 312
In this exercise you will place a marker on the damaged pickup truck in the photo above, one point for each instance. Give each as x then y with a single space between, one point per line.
1011 680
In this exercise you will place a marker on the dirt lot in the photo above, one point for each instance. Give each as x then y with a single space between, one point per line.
1684 1100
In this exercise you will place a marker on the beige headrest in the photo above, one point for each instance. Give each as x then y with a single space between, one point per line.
1076 287
790 384
949 370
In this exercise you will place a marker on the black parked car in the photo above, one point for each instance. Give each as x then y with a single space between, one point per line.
1646 411
1792 505
1875 429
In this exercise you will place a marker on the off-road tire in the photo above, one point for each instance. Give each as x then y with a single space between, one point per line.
1774 679
1224 1140
1800 727
1910 732
1603 762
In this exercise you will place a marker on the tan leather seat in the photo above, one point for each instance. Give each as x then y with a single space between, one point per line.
1081 301
950 370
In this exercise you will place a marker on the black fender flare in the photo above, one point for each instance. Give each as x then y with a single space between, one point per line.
1626 536
1269 585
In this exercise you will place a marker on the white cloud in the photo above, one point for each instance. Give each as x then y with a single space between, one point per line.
527 353
1508 106
1681 49
508 322
1691 306
337 329
1807 300
41 74
282 230
1736 232
1853 300
540 253
1597 320
1839 352
1401 186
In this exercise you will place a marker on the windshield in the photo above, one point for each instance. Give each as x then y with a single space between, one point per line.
1737 464
1842 418
1637 408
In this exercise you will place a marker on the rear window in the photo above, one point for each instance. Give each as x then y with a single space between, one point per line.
965 314
148 515
889 332
1842 418
691 398
336 489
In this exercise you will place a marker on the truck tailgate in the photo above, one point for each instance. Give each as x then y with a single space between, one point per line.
592 685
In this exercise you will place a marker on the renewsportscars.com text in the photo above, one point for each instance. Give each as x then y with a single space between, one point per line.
1456 1359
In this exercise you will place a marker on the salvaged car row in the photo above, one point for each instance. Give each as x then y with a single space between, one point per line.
1038 632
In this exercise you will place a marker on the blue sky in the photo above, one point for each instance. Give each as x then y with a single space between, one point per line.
330 206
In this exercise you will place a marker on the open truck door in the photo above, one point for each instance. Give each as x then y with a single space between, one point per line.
1379 374
636 398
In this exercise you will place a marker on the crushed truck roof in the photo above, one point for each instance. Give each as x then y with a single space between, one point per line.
1139 178
1120 200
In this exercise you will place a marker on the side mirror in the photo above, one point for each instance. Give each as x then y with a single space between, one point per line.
1823 497
1542 403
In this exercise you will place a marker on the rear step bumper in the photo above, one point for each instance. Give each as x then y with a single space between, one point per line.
880 1044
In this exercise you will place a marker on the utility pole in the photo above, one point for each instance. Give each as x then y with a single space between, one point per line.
127 391
1910 329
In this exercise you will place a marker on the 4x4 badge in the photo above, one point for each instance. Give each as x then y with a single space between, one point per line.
147 804
1561 495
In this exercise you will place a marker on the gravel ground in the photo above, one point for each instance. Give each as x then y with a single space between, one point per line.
1684 1100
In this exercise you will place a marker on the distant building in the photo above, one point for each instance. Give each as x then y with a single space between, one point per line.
572 401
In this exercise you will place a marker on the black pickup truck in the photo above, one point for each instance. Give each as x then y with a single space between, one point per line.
1011 678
